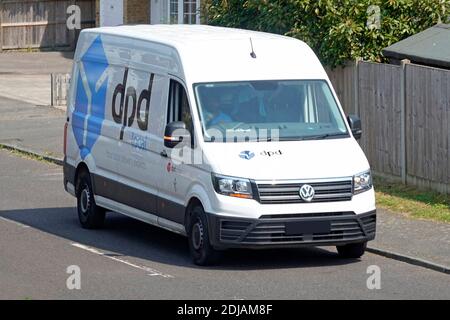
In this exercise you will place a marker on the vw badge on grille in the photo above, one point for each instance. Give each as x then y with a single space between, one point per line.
306 192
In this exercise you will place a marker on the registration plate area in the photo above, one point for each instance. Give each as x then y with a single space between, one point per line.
307 227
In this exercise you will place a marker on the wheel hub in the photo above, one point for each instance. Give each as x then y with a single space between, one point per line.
85 200
197 235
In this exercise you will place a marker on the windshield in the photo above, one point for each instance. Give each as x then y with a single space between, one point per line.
268 111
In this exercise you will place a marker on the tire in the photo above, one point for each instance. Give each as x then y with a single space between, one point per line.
352 250
90 215
202 253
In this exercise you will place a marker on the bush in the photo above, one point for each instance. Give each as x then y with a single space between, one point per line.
336 30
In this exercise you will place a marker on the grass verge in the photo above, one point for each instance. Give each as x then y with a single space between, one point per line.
411 201
28 155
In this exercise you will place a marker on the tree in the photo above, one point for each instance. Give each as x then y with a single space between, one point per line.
337 30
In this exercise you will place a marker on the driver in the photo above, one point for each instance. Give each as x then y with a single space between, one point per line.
217 105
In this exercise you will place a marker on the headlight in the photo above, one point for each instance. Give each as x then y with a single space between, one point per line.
362 182
232 186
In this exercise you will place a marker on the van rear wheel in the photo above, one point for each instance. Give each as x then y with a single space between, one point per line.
90 215
202 252
352 250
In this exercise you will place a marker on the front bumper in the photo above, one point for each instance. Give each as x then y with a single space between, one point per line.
271 230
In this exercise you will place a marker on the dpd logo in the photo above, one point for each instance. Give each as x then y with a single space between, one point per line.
139 108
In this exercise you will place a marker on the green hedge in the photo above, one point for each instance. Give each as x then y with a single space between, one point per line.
336 30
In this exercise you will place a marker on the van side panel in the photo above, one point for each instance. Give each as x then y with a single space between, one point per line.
130 127
116 116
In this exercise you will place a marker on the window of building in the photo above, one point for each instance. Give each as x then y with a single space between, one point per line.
184 11
190 11
173 19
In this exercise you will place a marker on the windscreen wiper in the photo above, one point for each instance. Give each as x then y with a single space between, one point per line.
325 136
258 139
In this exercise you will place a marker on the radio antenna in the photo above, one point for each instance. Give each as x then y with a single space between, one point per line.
252 54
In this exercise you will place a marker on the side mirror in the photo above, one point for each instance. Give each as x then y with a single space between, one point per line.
355 124
175 133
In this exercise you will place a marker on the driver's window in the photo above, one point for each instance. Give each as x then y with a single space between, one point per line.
178 106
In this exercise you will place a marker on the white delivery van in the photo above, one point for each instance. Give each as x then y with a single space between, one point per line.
230 137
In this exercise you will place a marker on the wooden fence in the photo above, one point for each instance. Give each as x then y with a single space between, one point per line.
27 24
405 113
343 79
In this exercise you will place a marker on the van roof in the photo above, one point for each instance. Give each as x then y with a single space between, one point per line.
176 34
209 53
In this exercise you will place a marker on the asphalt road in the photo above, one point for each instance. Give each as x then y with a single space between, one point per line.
35 128
40 237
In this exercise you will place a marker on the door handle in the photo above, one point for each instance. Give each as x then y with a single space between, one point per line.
163 154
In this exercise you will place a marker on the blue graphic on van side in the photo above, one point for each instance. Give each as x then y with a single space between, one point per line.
89 113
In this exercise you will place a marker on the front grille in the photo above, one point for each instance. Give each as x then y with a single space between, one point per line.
370 223
344 226
232 230
306 215
276 193
345 229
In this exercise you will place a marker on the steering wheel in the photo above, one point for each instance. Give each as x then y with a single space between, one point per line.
237 125
218 124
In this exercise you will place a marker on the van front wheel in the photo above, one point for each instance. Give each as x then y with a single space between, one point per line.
90 215
352 250
202 252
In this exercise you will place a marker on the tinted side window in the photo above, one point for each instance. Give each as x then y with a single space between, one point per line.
178 109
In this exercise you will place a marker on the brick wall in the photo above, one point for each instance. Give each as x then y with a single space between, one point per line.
97 13
136 11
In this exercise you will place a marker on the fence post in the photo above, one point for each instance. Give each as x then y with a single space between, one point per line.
1 27
403 135
356 86
52 89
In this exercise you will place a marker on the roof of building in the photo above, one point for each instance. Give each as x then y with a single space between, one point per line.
430 47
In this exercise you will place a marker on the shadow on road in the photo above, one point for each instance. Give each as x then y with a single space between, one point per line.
67 54
125 236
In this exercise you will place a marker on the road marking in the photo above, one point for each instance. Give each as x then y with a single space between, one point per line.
14 222
151 272
51 174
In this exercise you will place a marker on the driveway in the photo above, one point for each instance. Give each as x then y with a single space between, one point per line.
25 76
